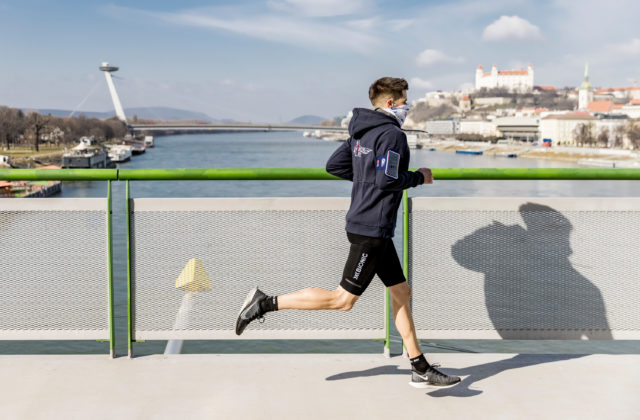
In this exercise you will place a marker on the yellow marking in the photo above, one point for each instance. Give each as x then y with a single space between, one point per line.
194 277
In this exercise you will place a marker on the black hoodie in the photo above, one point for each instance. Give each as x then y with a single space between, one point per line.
376 159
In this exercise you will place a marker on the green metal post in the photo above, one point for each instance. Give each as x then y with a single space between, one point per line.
405 242
129 320
112 330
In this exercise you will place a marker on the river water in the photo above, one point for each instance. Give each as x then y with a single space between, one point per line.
291 150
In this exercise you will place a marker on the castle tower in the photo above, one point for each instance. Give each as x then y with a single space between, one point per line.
479 73
107 69
585 93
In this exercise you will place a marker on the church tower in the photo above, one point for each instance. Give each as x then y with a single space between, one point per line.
585 93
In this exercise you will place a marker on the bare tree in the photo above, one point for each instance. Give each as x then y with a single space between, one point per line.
36 123
617 136
583 134
603 137
633 133
11 125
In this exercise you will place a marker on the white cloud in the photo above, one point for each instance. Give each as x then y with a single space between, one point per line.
364 24
379 25
630 48
320 8
397 25
509 28
430 57
307 33
419 83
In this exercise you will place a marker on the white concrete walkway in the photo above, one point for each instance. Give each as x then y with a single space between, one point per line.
285 386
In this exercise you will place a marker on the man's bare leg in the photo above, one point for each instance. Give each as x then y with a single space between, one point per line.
401 299
314 299
422 374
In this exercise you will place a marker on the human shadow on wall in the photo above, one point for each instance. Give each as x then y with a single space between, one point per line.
531 289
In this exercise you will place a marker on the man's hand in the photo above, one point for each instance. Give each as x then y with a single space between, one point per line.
427 174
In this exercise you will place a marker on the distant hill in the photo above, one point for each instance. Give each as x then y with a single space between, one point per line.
307 120
156 113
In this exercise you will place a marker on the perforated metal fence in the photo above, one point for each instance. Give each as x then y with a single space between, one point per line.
280 244
564 268
54 269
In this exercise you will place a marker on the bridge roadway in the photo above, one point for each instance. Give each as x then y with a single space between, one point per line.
317 386
225 127
164 127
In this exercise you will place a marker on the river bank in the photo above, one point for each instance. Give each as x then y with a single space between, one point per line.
595 157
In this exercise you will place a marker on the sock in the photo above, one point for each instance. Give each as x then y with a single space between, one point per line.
270 303
419 363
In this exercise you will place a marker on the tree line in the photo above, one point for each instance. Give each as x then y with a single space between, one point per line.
585 135
31 129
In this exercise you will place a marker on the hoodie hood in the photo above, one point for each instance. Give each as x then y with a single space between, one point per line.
365 119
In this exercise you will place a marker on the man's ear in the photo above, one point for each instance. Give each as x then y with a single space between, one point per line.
388 102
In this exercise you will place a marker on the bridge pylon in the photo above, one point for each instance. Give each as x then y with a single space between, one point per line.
107 69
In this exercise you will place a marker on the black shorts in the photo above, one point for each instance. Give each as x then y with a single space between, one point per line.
367 257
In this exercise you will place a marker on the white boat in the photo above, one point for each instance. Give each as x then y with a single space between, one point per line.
148 141
120 153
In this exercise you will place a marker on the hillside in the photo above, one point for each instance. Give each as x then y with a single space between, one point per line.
155 113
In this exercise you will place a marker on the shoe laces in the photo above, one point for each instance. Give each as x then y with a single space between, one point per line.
432 369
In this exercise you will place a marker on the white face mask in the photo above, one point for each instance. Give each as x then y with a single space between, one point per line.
400 112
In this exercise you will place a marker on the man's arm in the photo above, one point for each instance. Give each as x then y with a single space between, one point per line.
388 175
339 164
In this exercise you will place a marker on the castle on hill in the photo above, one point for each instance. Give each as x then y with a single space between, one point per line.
520 81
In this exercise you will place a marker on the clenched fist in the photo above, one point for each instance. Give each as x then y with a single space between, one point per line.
427 174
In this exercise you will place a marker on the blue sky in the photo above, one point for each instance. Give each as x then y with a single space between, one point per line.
273 60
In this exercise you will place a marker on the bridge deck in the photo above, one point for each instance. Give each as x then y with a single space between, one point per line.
319 386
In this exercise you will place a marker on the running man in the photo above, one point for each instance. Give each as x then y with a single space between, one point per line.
376 159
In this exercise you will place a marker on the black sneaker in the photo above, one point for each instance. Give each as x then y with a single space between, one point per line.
250 310
432 378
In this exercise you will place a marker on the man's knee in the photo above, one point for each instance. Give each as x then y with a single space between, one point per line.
401 292
344 300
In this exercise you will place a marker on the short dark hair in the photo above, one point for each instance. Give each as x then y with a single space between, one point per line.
387 86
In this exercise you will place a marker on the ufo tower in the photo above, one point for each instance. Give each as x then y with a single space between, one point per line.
107 69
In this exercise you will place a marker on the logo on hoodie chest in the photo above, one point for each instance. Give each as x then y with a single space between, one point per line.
359 150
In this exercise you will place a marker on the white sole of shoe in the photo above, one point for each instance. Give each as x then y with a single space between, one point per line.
250 296
424 385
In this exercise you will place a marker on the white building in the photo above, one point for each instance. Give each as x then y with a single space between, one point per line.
492 100
518 128
465 104
632 109
481 127
585 93
612 125
437 98
442 127
514 80
618 93
560 128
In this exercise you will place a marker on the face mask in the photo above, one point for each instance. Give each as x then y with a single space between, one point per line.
400 112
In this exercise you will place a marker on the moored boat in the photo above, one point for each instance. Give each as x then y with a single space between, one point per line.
120 153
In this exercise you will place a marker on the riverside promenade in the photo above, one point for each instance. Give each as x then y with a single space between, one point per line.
317 386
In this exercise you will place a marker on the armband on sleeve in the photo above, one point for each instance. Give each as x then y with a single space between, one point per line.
389 163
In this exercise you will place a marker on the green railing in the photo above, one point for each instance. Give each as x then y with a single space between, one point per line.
297 174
